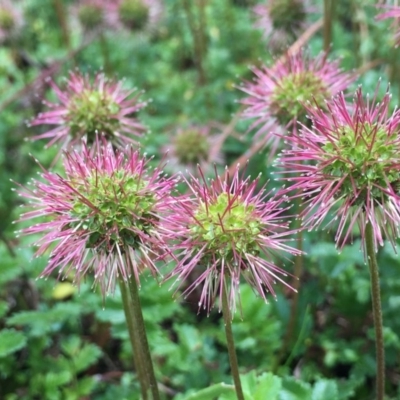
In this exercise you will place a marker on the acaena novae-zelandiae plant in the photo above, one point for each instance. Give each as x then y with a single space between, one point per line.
105 219
228 229
275 98
347 169
90 107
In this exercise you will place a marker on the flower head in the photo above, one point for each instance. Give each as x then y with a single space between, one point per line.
281 20
195 145
89 108
277 97
391 12
92 14
10 20
137 14
105 216
227 230
349 163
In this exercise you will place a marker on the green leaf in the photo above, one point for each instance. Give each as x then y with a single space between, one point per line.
293 389
325 390
212 392
11 341
268 387
3 308
86 356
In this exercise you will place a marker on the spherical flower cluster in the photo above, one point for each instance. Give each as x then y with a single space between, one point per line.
281 20
137 14
227 230
104 217
10 20
348 164
90 108
192 146
277 97
92 14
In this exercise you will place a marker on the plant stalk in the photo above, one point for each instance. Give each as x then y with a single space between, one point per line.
231 346
141 332
328 22
105 53
62 20
377 312
134 339
297 272
198 39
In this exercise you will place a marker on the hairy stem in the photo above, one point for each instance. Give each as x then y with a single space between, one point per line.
231 346
141 332
134 339
377 312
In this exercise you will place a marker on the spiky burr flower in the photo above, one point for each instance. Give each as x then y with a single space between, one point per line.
281 20
92 14
10 20
194 145
391 12
276 99
227 230
348 167
88 108
137 15
104 217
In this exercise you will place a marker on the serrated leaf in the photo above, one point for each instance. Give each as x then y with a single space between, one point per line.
212 392
293 389
325 390
86 356
11 341
268 387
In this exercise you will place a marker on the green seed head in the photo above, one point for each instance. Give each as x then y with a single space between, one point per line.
91 112
90 16
229 226
292 92
191 146
115 205
363 158
287 14
134 14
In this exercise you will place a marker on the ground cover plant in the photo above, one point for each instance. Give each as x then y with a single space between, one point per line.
199 199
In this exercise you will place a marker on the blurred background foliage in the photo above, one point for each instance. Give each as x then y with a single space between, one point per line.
60 343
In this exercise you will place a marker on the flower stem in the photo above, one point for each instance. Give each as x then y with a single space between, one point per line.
377 312
198 38
328 19
62 20
137 356
105 53
231 346
141 331
294 307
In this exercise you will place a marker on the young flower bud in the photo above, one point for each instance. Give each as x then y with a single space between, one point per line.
134 14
